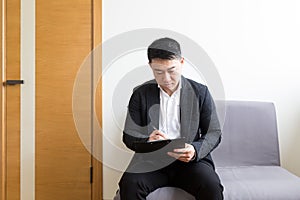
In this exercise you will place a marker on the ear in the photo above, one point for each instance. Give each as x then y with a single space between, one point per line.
182 60
149 63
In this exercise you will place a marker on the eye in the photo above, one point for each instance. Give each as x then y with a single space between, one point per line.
172 70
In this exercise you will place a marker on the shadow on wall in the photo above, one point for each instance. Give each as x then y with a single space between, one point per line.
293 148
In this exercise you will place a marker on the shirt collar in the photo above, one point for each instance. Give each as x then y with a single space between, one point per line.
176 91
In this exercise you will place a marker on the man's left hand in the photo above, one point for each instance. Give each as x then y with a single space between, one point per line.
185 154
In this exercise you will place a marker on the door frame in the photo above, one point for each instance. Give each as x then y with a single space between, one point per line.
2 138
97 177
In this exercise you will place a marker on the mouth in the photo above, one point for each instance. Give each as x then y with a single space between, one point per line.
168 85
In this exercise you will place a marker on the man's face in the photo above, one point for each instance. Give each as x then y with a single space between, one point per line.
167 73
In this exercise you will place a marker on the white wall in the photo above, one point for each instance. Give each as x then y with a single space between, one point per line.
253 43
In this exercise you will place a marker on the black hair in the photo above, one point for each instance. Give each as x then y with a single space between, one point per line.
164 48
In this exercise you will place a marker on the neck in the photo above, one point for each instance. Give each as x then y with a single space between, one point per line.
170 92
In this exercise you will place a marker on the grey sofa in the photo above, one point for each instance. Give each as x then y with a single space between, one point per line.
247 159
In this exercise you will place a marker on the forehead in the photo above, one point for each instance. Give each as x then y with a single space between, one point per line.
164 63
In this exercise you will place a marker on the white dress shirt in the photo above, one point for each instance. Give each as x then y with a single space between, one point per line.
169 116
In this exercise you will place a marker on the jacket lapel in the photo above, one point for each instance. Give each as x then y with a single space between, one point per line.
153 106
189 111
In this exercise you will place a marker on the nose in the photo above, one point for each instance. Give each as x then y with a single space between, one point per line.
166 77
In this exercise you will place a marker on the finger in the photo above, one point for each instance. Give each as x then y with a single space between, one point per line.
156 136
182 150
155 132
161 134
186 157
152 137
178 155
174 155
188 149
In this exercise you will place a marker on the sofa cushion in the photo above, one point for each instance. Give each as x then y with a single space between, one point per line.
170 193
253 183
246 183
165 193
259 183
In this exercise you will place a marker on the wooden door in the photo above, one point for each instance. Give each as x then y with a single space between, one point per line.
65 35
66 32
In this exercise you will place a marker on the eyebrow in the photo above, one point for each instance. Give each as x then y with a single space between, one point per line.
169 69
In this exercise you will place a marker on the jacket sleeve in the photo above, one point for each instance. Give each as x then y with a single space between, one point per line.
209 131
135 128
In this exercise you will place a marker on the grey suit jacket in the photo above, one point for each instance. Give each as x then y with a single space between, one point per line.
199 122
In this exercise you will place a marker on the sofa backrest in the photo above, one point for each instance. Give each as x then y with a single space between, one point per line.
249 135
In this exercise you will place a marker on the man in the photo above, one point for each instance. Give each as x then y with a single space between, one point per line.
169 107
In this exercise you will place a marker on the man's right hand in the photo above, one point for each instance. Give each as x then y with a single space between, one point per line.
157 135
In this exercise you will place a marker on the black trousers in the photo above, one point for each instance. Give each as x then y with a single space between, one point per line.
197 178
